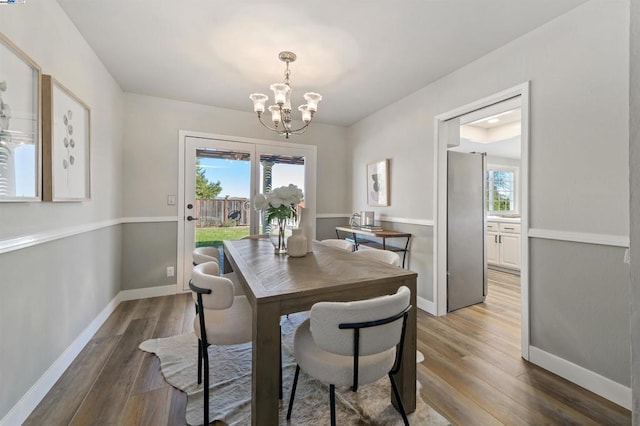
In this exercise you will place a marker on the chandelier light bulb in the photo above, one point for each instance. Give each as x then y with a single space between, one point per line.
276 117
259 101
312 100
306 114
280 91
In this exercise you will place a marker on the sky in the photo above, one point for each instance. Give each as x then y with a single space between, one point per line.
235 175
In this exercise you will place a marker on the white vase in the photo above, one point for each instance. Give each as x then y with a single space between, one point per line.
307 228
297 243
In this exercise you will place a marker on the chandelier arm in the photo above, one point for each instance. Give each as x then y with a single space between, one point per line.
273 129
301 129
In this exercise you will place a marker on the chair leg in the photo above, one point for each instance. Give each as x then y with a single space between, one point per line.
293 392
205 356
400 405
332 403
280 382
199 361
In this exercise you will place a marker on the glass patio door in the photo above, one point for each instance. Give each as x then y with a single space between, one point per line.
218 194
221 179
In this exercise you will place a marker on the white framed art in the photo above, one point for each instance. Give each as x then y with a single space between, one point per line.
378 183
20 141
66 144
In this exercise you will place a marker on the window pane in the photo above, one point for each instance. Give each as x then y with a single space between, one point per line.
499 188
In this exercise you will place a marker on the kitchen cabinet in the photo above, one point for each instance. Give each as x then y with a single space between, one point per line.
503 244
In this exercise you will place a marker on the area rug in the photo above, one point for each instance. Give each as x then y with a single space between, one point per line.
230 384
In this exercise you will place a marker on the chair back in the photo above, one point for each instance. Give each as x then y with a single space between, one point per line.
206 276
341 244
380 255
205 254
327 317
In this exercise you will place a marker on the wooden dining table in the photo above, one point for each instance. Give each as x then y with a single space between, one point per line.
276 285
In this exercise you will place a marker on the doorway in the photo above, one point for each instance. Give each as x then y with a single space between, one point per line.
219 178
504 199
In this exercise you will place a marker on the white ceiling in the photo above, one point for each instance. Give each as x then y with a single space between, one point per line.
360 55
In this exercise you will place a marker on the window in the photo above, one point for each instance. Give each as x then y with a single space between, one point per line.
500 190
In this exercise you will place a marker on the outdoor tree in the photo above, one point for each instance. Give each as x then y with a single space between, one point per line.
205 189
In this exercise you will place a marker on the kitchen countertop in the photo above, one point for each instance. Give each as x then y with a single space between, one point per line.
503 219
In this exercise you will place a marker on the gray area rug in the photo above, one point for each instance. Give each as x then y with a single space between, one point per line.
230 384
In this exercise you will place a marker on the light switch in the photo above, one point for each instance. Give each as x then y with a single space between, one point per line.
171 200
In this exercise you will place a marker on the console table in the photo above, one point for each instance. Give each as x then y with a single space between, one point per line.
383 235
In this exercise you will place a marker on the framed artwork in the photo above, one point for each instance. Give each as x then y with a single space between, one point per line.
66 144
20 140
378 183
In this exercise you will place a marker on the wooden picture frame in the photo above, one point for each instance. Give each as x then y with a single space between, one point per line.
378 183
66 140
20 119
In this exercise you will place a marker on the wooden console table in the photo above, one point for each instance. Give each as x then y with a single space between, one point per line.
354 232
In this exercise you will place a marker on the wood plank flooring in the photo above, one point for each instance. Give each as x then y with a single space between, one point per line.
472 372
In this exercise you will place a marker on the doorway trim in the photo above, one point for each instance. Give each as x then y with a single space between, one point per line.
440 205
310 183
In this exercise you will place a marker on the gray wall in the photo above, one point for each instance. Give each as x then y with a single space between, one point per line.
147 250
578 65
326 227
579 305
634 166
50 293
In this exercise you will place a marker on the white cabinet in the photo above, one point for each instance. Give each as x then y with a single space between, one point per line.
503 244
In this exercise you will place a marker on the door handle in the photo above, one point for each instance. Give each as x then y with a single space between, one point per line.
190 218
500 239
495 238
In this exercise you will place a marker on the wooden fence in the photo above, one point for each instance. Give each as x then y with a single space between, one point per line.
222 211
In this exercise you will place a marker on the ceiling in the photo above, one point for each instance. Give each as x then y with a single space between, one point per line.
360 55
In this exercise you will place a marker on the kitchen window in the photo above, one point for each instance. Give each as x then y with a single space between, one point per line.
500 190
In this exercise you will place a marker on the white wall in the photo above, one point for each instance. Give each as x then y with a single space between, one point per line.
151 149
578 67
634 164
49 293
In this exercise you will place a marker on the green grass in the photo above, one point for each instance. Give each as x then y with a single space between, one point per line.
214 236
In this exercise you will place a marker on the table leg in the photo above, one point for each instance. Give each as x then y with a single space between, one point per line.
406 377
265 380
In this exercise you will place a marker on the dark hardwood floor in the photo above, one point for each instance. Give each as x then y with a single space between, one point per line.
472 372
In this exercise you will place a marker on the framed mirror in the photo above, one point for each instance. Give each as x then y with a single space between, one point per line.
20 137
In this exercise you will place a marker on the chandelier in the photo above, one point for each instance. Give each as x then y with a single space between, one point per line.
281 111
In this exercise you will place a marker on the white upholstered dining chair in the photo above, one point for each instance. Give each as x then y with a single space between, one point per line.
352 344
211 254
341 244
380 255
222 318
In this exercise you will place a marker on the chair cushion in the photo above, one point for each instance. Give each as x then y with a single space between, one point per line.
205 254
327 316
227 326
338 369
206 276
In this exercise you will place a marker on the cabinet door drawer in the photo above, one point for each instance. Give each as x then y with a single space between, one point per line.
510 228
492 226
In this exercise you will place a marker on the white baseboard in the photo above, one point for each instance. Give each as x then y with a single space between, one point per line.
426 305
589 380
144 293
30 400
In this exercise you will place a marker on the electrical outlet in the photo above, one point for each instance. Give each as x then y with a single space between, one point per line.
170 271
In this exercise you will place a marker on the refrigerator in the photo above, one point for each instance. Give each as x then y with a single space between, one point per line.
466 256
